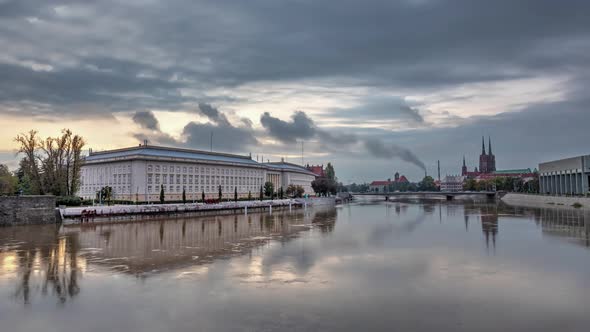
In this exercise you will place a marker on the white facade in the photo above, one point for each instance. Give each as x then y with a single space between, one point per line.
138 173
452 183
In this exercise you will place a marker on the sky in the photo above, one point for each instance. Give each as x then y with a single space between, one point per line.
374 87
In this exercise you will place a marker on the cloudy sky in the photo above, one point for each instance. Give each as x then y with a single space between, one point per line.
373 86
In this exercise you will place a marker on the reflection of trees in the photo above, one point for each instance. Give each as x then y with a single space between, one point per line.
325 220
48 260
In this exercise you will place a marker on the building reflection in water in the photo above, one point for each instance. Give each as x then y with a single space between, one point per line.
49 260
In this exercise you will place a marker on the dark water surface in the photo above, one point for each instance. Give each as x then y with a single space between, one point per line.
360 267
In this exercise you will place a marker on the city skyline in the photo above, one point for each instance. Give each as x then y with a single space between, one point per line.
402 86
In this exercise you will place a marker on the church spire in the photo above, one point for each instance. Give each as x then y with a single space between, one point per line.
464 165
483 146
490 145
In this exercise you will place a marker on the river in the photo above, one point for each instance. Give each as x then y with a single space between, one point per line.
365 266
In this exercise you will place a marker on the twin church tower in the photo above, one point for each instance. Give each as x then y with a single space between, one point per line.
487 161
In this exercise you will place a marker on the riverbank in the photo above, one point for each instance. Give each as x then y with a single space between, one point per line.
546 201
119 213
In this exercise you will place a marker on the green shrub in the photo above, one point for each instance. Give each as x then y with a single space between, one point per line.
68 201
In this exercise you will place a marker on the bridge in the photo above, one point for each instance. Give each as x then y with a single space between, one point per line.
449 195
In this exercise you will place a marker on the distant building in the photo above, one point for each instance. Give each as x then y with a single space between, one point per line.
565 176
318 170
487 167
138 173
452 183
385 186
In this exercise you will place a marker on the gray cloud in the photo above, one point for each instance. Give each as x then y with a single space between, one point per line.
381 109
225 138
147 120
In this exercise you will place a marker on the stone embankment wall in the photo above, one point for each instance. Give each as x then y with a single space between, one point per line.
545 201
26 210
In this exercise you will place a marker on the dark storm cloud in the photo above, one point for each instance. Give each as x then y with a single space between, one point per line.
213 114
147 120
224 136
300 127
403 44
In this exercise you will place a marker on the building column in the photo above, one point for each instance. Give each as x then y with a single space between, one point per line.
541 185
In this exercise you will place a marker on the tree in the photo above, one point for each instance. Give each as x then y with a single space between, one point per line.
291 190
299 191
162 194
470 185
183 195
203 196
8 181
52 165
105 194
330 173
261 193
220 193
324 186
281 193
269 189
249 195
427 184
235 194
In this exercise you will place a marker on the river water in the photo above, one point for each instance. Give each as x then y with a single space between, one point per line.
369 266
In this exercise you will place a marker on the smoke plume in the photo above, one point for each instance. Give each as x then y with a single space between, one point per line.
380 150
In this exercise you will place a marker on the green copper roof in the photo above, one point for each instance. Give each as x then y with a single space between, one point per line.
514 171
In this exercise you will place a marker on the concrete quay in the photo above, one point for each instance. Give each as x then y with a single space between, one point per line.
533 200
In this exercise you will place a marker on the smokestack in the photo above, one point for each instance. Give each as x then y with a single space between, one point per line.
438 165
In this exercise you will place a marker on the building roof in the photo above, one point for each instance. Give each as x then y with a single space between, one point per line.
168 152
283 166
316 169
513 171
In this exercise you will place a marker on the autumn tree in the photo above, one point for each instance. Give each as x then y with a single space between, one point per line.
52 165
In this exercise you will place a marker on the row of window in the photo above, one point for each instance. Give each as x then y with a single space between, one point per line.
197 189
201 170
202 179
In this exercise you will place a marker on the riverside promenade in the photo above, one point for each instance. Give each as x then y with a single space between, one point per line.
74 215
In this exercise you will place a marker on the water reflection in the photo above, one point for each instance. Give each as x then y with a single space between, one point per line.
46 261
49 259
377 266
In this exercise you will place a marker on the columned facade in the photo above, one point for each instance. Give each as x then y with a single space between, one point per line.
569 176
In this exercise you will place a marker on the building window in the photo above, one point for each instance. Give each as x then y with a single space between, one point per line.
165 178
165 168
149 180
157 178
184 169
149 168
157 168
177 189
190 179
190 169
178 179
184 179
171 178
177 169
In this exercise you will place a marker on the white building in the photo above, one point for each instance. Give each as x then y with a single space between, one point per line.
452 183
138 173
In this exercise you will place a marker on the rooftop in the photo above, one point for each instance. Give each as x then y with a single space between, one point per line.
169 152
